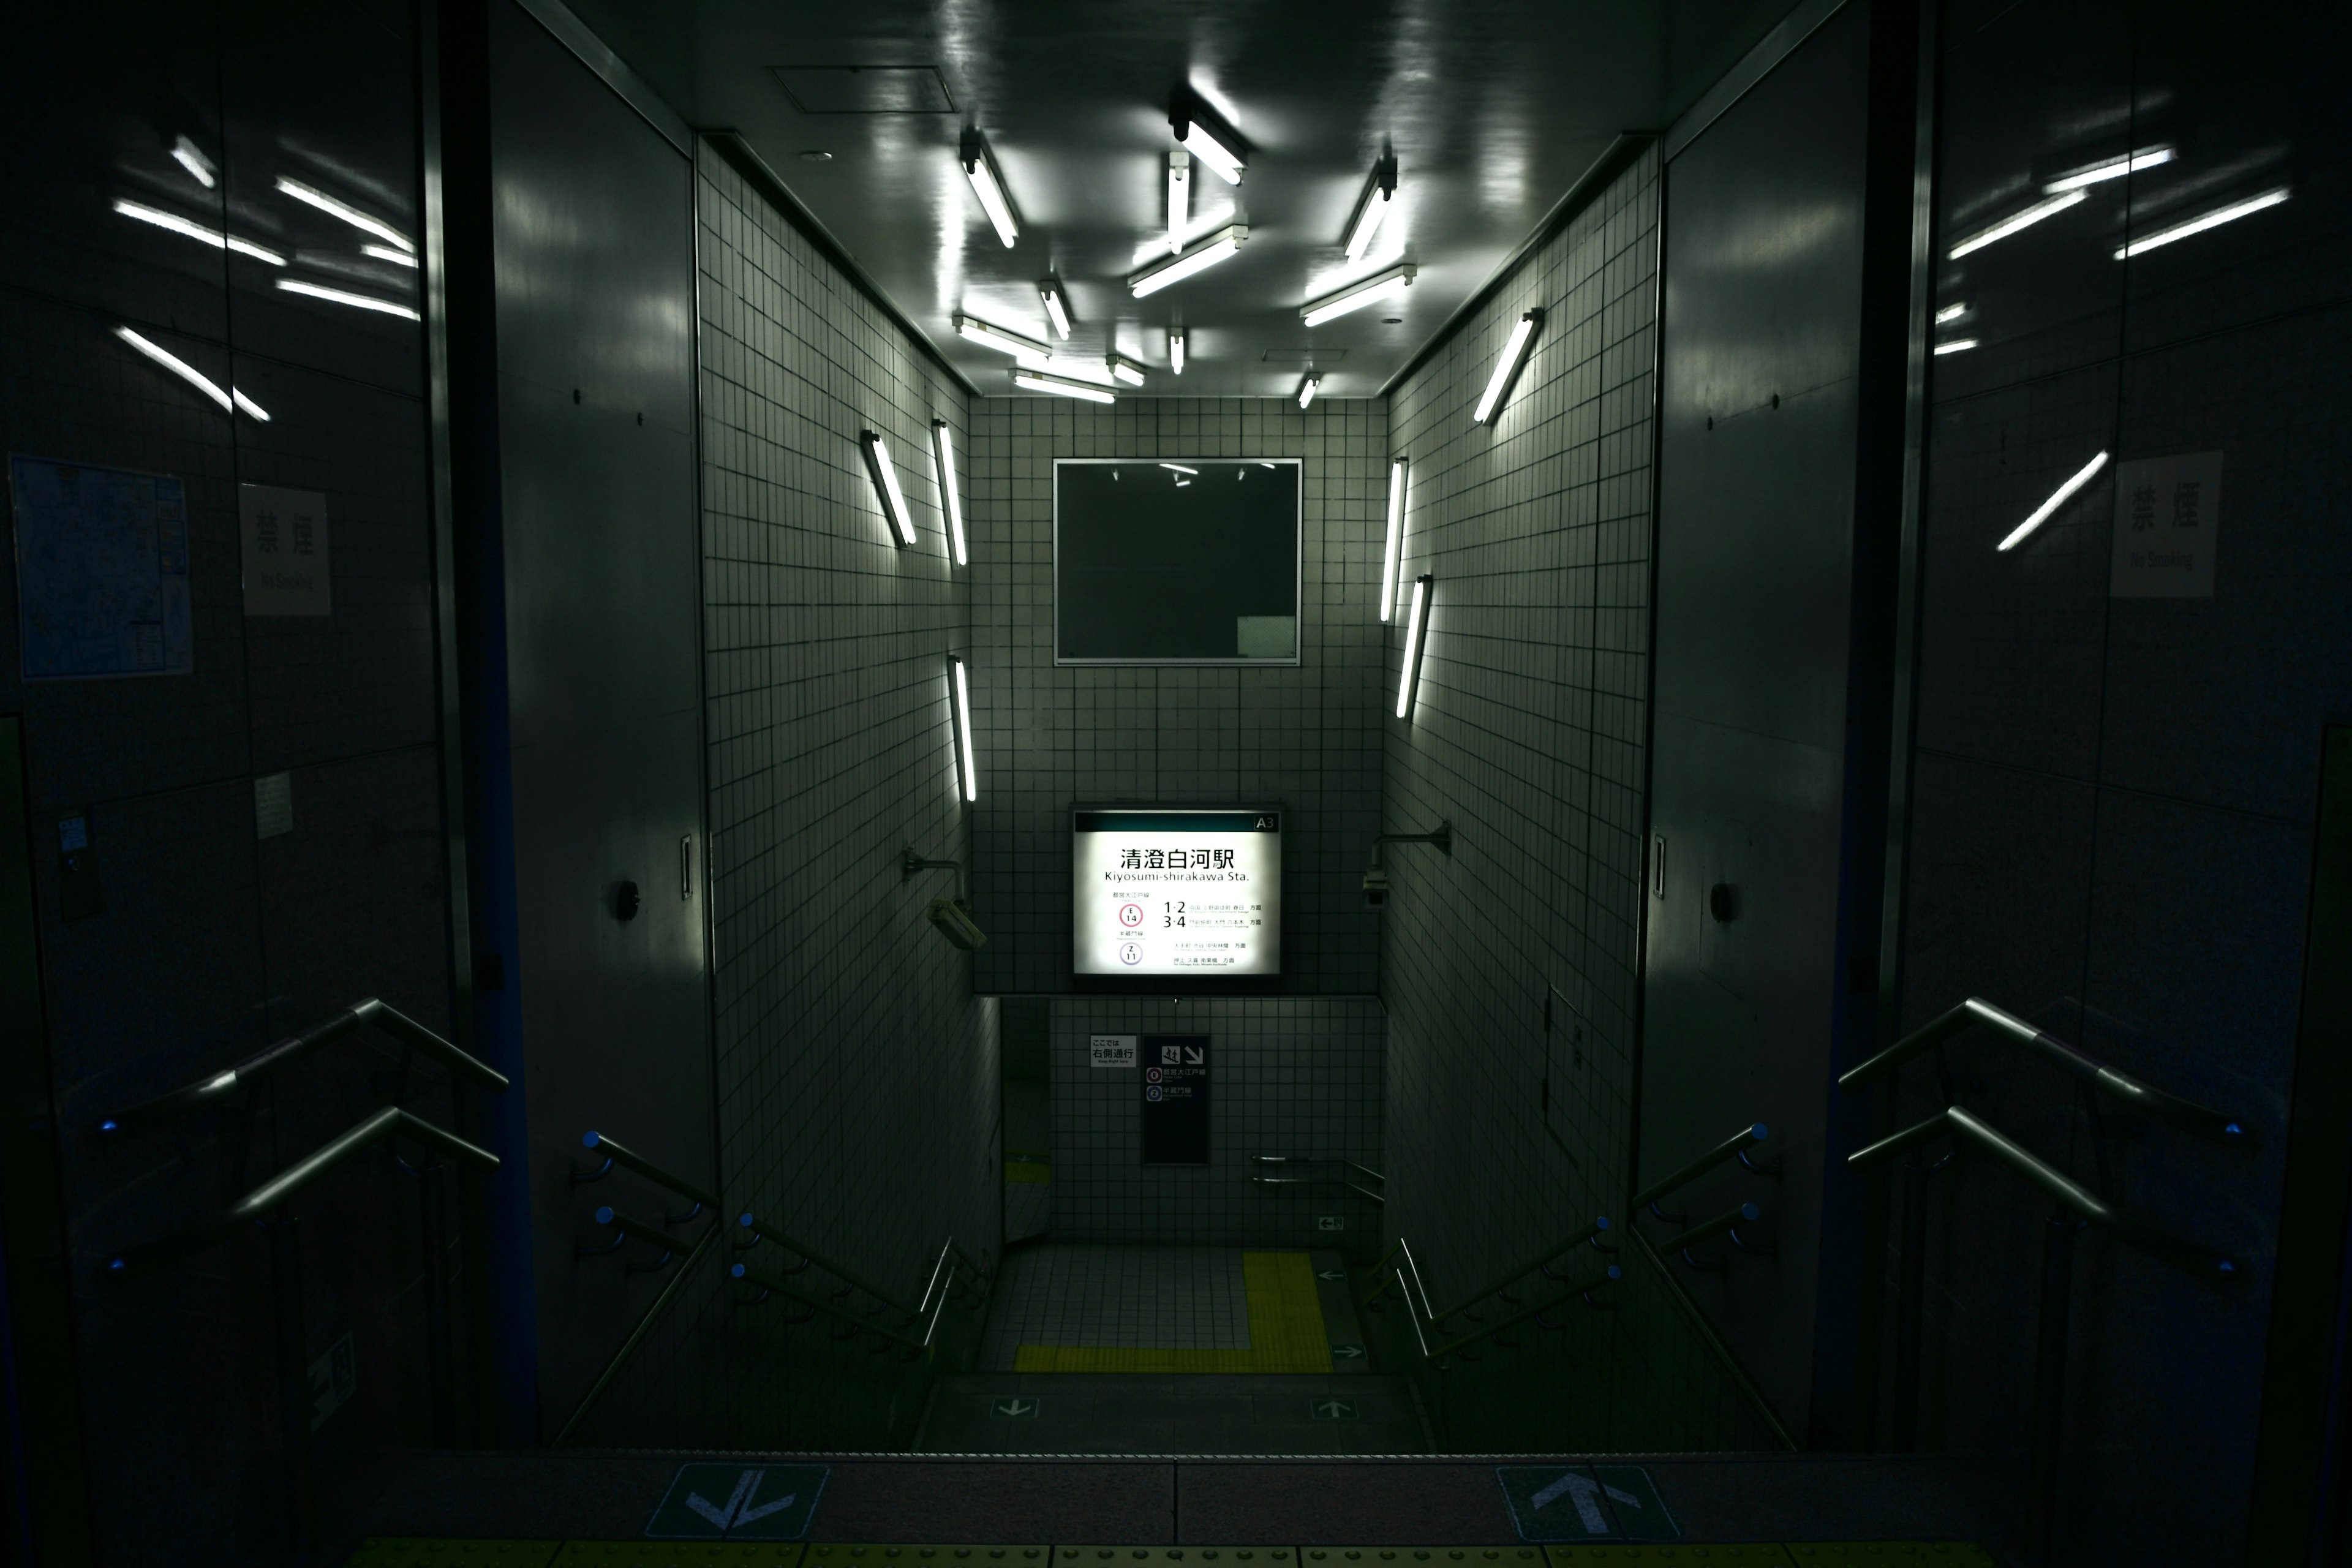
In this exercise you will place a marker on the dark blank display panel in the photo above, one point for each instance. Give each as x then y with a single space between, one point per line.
1176 560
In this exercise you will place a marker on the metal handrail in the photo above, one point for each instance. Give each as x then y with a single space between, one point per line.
2186 1114
669 1290
2130 1232
1722 1153
647 1169
193 1097
1682 1241
767 1231
1577 1294
1590 1233
390 1120
744 1272
1320 1181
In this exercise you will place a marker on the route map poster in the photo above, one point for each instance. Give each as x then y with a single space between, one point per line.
101 571
1188 891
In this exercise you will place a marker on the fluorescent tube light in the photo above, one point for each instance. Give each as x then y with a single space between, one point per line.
1394 550
1371 207
980 168
1197 258
1124 369
345 211
1175 351
1958 345
177 366
1306 385
1181 483
1050 291
2199 225
967 765
252 409
386 253
1180 198
190 228
2058 498
990 336
2015 222
1180 468
886 487
1205 145
1506 367
1950 313
345 297
2112 169
1062 386
1416 632
1356 296
191 157
951 500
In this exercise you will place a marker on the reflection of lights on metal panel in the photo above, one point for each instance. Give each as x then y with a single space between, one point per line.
1957 345
1180 468
1356 296
2110 169
345 297
2016 222
1395 547
1950 313
2042 514
2200 223
336 207
386 253
188 227
192 158
1197 258
950 499
232 398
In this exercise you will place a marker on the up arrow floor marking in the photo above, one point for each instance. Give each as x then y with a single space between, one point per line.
1585 1492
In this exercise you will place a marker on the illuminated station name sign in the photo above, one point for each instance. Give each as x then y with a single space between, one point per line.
1176 891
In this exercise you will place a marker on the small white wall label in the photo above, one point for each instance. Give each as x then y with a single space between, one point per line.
2168 518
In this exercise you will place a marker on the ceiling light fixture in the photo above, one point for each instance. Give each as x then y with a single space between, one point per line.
1306 385
1506 367
1416 634
1062 386
191 157
1198 257
1180 198
1216 146
2112 169
1394 550
345 297
1373 206
987 184
1057 309
2199 225
2082 476
960 686
990 336
951 500
345 211
193 376
1356 296
1175 351
1958 345
886 487
1124 369
2013 224
174 223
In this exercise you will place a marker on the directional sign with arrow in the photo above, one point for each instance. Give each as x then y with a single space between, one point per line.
1015 1406
1347 1353
1332 1274
766 1503
1333 1409
1588 1502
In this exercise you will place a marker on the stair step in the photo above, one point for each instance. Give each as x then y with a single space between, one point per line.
1193 1413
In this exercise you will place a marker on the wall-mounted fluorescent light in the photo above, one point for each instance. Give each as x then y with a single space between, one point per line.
1218 149
1180 198
2112 169
1062 386
2015 222
1180 468
2199 225
345 211
232 398
988 335
980 168
1956 346
2082 476
345 297
1306 386
1371 207
1416 633
1057 309
1356 296
1950 313
886 487
1124 369
1392 552
1506 367
950 499
191 229
1175 351
959 705
191 157
386 253
1196 257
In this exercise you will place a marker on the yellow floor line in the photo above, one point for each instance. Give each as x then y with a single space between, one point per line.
1285 1331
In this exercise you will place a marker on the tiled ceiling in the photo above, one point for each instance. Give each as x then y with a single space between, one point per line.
1493 109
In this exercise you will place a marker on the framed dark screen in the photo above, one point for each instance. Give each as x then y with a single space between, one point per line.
1176 560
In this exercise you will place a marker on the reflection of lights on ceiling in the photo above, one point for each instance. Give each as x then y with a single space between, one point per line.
1062 386
191 157
1180 198
885 475
1124 369
1957 345
345 297
386 253
1416 626
980 168
991 336
2112 169
1950 313
1371 207
1199 258
1306 388
175 224
2012 225
1356 296
1180 468
1203 144
232 398
345 211
2059 498
1506 365
1176 351
1049 290
950 501
1389 554
2198 224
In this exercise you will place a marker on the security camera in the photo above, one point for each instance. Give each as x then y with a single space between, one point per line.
1376 887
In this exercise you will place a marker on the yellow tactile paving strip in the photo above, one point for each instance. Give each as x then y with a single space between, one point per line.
876 1555
1285 1331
